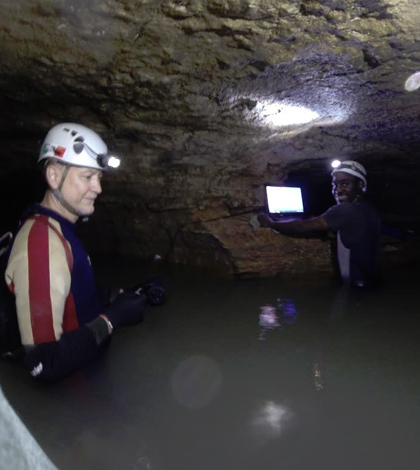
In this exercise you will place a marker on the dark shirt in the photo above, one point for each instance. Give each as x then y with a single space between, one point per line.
358 229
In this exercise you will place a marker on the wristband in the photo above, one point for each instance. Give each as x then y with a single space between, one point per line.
108 322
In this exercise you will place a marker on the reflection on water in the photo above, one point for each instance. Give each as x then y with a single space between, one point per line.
268 321
340 304
288 310
318 377
143 463
192 388
270 418
270 316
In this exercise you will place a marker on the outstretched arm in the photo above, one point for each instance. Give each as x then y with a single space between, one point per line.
295 228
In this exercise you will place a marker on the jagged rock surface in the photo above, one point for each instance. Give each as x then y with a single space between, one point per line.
201 99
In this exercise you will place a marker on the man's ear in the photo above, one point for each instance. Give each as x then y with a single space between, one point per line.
53 176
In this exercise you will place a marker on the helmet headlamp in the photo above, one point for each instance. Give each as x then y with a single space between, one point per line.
350 167
108 161
76 145
103 160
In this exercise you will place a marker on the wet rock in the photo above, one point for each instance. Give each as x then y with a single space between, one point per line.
208 100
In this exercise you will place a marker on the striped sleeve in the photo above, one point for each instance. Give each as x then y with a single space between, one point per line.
39 275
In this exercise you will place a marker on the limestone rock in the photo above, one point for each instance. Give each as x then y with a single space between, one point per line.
208 100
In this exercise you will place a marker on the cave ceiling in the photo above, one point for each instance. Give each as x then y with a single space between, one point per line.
207 100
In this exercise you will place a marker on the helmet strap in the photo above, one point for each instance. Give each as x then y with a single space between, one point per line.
57 193
66 170
64 203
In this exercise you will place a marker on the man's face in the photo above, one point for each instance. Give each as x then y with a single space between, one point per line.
81 188
345 187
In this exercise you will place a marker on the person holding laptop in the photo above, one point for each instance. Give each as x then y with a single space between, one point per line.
353 219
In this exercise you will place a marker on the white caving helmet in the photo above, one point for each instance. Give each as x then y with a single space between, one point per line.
76 145
352 168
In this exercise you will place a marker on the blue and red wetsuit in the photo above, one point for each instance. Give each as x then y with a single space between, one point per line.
57 302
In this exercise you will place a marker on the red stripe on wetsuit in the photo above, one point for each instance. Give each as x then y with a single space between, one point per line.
39 284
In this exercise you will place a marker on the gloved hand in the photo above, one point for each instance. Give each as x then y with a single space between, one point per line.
152 288
127 309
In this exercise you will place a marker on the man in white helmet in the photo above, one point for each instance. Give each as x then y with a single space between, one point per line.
61 319
353 219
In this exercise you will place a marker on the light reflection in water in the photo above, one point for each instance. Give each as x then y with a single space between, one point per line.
288 311
270 418
268 320
270 316
318 377
142 463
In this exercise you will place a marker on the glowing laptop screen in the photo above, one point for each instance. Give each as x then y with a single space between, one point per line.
284 200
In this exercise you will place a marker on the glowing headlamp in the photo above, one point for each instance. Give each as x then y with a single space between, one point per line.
106 161
350 167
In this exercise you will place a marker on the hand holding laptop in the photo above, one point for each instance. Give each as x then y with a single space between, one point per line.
254 222
282 204
261 220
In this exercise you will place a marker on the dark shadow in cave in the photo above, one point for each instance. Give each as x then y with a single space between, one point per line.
17 190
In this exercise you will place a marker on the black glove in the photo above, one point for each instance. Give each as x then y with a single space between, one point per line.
127 309
152 288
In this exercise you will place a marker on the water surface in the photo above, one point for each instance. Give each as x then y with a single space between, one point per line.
265 374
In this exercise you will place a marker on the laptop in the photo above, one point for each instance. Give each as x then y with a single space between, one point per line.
284 202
